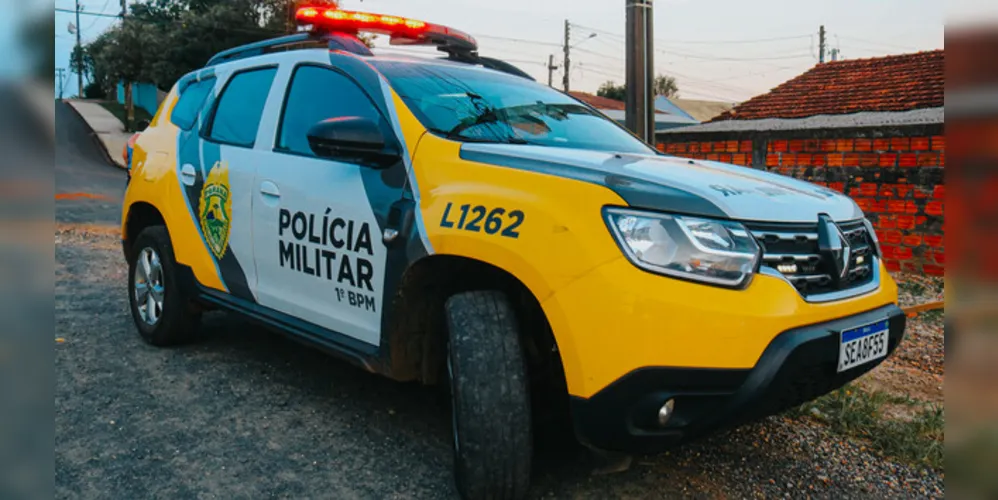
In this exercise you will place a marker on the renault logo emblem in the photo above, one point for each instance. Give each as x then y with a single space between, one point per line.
834 247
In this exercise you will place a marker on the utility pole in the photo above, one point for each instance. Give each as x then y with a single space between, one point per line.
79 49
551 68
640 100
567 64
61 72
821 44
129 104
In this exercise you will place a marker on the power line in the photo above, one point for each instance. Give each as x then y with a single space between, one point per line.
84 13
591 52
520 40
872 42
702 42
92 23
734 59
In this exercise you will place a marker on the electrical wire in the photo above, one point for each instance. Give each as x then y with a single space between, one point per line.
85 13
92 23
872 42
520 40
700 42
798 55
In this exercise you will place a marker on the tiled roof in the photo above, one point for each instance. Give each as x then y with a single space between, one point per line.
892 83
602 103
597 101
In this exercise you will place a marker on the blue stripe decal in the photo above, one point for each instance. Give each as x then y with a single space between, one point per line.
863 331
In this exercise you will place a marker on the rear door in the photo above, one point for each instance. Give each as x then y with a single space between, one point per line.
316 238
217 168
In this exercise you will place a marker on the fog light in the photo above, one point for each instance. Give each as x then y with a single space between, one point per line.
665 412
860 259
787 268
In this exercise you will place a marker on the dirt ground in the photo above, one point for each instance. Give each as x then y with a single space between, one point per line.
247 413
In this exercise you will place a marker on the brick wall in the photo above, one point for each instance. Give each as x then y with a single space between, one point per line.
895 175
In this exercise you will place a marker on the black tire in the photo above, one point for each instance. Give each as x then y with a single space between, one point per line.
178 319
490 399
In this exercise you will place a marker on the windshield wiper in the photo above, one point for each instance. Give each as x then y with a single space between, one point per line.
458 137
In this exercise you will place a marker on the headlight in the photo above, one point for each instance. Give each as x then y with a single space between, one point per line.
712 251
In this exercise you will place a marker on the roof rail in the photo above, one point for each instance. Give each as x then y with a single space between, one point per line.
349 43
255 49
305 40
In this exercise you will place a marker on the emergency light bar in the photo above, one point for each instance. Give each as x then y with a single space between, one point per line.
403 31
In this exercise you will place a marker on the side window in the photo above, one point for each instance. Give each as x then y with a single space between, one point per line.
237 115
317 94
185 112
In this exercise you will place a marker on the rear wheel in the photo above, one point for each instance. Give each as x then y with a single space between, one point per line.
490 400
162 311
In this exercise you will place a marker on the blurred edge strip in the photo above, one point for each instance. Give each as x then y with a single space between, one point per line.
41 100
972 102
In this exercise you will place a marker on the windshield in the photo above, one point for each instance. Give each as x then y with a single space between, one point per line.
472 104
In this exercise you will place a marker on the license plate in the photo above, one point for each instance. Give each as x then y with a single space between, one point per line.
863 344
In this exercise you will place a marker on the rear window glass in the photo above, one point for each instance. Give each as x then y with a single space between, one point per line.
185 112
240 107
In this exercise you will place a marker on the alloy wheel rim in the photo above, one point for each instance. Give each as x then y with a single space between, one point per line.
147 286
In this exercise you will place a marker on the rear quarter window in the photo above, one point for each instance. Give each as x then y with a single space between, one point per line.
185 112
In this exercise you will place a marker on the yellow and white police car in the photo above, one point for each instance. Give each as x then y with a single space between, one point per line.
451 220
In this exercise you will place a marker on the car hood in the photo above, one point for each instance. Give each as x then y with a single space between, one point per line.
673 184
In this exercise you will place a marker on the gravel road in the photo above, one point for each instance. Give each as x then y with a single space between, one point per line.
246 413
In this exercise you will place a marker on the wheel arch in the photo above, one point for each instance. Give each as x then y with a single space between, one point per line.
414 341
140 215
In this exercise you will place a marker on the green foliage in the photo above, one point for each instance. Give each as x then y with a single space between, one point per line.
162 40
611 90
118 110
93 90
855 412
664 86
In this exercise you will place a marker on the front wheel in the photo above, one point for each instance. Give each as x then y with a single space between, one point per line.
490 400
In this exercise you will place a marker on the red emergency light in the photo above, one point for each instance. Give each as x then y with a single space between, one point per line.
403 31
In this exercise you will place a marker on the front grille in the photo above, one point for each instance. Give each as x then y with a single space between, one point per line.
792 250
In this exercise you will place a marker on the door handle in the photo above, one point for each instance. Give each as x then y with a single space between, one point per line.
188 175
269 190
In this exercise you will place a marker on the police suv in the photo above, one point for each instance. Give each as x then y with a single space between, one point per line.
452 221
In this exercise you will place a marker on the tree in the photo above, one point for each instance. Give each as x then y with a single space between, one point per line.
611 90
666 86
663 85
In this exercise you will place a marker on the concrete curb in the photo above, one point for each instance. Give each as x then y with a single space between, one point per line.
93 134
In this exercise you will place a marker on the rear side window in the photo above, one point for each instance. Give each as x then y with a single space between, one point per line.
317 94
185 112
237 115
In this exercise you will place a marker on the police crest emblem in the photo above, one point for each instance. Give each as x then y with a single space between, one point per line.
216 209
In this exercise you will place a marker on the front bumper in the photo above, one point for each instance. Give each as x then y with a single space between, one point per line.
799 364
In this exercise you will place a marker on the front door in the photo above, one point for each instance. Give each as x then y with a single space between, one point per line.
317 242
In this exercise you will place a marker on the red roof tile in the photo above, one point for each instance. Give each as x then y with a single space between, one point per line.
892 83
597 101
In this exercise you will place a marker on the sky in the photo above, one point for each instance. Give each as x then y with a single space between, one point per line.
722 50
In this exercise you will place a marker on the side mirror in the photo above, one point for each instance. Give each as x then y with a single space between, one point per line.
353 139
